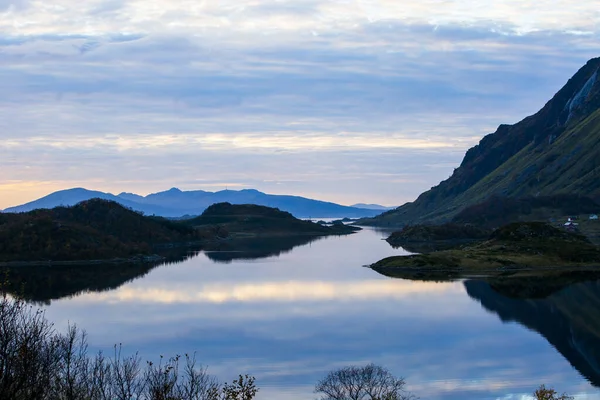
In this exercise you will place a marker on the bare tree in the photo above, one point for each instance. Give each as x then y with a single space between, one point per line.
370 382
125 376
549 394
197 383
38 363
242 388
28 350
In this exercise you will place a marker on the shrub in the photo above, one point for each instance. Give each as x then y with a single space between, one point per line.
39 363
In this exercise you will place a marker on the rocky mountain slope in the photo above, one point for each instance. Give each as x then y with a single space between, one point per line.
555 151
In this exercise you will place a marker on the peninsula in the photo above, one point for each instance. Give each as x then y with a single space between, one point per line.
516 246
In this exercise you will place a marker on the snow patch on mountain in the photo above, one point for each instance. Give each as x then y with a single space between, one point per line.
580 96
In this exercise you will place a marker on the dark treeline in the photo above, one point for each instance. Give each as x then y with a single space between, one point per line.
104 230
92 230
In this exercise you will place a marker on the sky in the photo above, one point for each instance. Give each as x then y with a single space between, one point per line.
348 101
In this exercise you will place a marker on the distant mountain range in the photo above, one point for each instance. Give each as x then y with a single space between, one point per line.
554 152
177 203
372 207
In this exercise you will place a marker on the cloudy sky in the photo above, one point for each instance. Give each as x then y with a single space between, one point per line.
341 100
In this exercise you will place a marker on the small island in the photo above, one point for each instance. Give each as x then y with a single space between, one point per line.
250 220
98 231
516 246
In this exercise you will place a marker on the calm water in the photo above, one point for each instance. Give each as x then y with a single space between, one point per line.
289 318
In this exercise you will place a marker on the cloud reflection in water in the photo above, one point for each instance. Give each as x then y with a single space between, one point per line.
289 320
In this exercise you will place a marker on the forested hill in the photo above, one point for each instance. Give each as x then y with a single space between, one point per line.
93 229
553 152
103 230
261 221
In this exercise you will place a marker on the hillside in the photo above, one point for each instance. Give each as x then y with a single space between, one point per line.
177 203
430 233
497 211
92 230
552 152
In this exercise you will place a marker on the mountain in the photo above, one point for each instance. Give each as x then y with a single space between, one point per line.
71 197
554 151
176 203
372 207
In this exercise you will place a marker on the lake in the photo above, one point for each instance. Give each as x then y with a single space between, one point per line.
295 313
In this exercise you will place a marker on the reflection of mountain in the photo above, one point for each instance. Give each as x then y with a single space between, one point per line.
254 248
46 283
569 318
43 284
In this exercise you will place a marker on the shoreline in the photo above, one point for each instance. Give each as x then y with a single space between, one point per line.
484 272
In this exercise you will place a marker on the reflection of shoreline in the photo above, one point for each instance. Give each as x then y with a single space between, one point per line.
569 319
255 248
44 283
562 306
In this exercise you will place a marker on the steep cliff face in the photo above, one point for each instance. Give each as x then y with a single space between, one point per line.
553 151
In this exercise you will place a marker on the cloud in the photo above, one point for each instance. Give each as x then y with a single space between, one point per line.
119 79
263 17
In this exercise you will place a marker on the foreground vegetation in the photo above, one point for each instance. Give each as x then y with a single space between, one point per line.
103 230
38 363
515 246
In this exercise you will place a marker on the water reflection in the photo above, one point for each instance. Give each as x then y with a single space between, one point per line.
566 314
276 292
290 319
563 307
42 284
256 248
